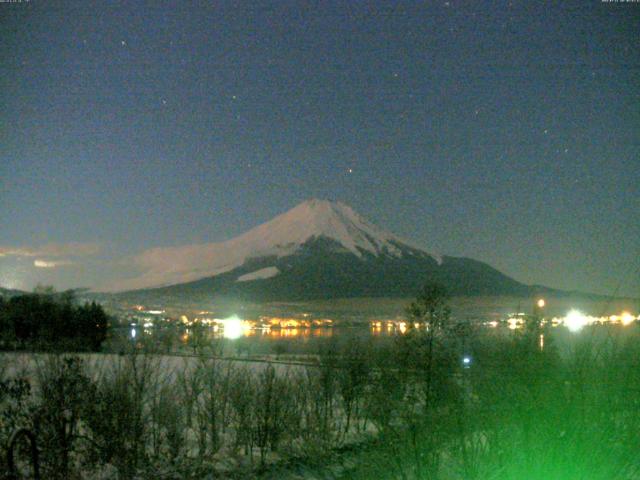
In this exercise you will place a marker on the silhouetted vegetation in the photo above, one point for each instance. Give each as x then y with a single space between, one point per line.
408 409
51 321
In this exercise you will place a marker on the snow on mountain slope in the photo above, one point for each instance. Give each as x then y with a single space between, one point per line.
261 274
280 236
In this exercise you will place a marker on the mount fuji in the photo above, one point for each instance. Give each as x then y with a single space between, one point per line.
317 250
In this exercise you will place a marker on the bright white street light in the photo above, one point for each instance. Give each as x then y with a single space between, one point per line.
232 327
575 320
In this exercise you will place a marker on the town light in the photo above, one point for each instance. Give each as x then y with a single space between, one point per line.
626 318
541 303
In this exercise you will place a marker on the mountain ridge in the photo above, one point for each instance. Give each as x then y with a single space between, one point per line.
281 236
316 250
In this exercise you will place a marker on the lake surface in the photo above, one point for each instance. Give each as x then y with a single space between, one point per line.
290 344
364 320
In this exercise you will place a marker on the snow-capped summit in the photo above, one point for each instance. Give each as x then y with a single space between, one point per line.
321 218
282 236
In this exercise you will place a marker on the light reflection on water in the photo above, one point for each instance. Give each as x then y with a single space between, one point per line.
195 335
304 341
266 334
300 332
373 329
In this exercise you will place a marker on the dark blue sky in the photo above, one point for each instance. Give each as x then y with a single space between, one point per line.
503 131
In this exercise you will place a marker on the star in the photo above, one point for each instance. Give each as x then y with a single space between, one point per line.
123 43
350 170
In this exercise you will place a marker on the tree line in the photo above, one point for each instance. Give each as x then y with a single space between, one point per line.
46 320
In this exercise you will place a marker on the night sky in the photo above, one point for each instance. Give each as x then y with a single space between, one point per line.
508 132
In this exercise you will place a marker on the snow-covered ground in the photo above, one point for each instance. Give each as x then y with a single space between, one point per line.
26 363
